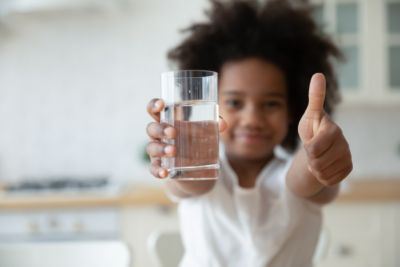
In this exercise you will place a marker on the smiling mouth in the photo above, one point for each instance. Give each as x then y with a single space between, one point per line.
251 138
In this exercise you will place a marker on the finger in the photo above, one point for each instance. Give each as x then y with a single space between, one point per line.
337 151
324 139
156 170
344 167
339 176
154 107
222 125
157 149
160 130
156 161
316 93
329 173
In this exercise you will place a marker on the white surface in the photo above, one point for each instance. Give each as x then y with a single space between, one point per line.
138 225
66 254
59 224
165 247
9 6
362 235
374 137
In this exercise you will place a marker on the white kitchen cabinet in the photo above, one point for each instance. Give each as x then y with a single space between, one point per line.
99 253
138 223
368 32
358 234
58 224
362 235
396 248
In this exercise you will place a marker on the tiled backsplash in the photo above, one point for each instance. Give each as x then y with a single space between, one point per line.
74 87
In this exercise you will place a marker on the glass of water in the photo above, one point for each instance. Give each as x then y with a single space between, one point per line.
191 107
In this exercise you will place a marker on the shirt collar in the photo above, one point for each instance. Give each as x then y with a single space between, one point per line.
281 155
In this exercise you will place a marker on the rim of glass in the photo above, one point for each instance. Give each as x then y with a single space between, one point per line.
190 73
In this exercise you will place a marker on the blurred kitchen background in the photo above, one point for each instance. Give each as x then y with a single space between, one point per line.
75 79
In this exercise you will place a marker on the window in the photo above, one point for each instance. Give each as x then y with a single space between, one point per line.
341 19
393 36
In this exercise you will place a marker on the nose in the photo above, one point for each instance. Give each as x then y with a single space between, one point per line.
252 117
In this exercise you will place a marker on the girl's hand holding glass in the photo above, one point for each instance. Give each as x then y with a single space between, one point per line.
157 131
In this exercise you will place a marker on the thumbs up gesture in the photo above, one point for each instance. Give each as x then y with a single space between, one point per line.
327 151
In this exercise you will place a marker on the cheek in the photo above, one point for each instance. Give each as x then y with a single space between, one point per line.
279 121
229 119
225 135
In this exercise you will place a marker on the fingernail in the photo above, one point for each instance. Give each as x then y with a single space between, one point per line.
168 150
157 105
168 131
161 173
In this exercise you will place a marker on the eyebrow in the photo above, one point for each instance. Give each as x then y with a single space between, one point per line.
269 94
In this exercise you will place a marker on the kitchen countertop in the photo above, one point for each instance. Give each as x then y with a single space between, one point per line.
135 195
360 190
370 190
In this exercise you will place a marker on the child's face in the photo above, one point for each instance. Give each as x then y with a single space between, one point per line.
253 101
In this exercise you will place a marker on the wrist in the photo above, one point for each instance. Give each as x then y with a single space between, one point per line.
315 188
192 187
311 186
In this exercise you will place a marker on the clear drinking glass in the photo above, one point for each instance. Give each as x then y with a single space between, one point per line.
191 107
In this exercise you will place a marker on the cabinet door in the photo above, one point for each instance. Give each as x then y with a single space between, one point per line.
355 235
393 233
343 21
368 33
392 45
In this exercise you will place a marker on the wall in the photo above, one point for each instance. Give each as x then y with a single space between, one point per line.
373 133
74 85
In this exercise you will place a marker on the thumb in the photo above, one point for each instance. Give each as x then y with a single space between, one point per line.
316 94
314 113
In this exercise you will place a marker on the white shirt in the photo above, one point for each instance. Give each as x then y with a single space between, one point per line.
264 226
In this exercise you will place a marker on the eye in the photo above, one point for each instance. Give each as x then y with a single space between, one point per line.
272 103
233 103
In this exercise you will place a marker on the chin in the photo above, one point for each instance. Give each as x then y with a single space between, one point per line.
254 155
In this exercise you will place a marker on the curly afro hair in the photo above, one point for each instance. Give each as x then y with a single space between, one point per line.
278 32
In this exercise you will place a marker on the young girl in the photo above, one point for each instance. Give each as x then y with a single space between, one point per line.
265 207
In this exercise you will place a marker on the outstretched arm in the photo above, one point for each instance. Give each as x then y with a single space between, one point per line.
324 158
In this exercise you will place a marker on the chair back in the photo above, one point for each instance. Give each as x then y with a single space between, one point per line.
165 247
